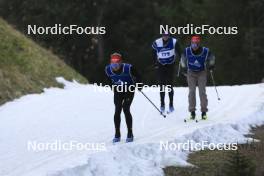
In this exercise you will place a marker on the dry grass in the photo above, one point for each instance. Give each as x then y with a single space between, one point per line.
27 68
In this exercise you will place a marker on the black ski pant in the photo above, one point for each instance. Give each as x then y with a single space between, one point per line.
165 78
123 101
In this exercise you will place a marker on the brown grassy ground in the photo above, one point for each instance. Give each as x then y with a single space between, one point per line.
246 161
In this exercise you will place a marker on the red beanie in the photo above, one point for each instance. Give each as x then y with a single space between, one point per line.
196 39
116 58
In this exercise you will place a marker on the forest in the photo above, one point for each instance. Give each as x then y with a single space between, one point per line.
132 26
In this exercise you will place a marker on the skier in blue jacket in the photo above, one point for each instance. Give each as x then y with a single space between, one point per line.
165 51
122 77
196 60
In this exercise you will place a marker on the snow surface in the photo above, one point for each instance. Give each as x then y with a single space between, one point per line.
79 113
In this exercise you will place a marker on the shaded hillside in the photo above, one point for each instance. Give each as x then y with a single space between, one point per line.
27 68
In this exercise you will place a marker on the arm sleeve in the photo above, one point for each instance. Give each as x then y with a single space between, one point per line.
107 79
177 49
154 53
154 56
136 76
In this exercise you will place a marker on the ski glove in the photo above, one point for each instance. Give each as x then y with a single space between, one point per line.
156 65
184 71
139 86
211 67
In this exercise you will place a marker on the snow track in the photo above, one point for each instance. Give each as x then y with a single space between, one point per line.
79 113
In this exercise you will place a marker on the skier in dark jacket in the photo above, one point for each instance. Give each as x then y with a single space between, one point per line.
165 51
122 78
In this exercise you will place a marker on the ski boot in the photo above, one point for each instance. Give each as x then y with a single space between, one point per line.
130 137
116 139
204 116
162 109
171 109
192 117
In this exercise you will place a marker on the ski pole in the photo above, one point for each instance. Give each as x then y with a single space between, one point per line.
212 76
179 69
153 104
